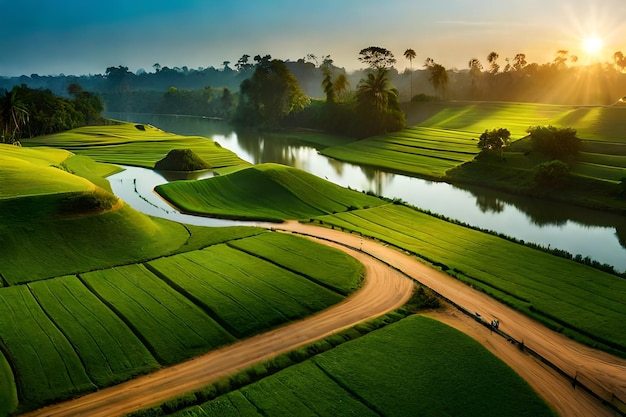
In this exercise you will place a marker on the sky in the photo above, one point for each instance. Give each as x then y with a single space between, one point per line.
79 37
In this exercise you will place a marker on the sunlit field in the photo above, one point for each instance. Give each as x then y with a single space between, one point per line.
408 368
582 302
449 137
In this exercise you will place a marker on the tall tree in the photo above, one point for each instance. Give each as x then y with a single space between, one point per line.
438 76
327 84
270 94
378 104
13 115
519 62
410 55
377 58
475 69
341 85
619 60
492 58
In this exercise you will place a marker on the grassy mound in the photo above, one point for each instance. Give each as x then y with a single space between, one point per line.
269 192
45 246
126 144
31 172
181 160
53 222
416 367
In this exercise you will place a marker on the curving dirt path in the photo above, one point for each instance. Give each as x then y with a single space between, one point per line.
605 374
384 289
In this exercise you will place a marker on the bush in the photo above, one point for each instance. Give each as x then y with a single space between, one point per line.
558 143
423 98
552 174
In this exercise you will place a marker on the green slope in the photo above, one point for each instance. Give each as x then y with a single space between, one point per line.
269 192
129 145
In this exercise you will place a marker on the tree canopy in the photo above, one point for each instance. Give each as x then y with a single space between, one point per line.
270 94
494 140
558 143
377 58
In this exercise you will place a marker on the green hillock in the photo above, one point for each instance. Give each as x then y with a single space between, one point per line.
269 192
181 160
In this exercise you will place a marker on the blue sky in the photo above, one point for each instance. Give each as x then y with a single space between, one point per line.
86 36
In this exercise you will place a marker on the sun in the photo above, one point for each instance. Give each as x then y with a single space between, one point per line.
592 45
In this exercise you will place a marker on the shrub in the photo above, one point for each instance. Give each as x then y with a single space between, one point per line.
552 174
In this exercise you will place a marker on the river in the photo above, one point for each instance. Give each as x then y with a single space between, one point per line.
596 234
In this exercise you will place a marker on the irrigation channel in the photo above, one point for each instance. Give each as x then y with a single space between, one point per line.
591 233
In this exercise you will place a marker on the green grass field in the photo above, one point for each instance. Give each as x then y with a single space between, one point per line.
46 365
172 327
269 192
127 145
416 367
332 269
580 301
8 389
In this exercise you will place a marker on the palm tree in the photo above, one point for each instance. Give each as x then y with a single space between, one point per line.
438 75
492 58
410 55
376 90
328 85
13 115
341 85
475 68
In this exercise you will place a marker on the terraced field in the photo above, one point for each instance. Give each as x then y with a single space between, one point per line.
408 368
129 145
72 334
580 301
448 139
426 151
268 192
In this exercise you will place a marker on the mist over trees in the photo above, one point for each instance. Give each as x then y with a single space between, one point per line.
373 92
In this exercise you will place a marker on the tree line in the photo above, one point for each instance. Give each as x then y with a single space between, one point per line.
27 112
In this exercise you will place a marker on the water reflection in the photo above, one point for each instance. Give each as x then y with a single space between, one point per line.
599 235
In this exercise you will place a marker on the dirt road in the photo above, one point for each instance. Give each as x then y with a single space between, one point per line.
384 289
605 374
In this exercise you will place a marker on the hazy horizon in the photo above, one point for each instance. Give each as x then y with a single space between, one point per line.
80 38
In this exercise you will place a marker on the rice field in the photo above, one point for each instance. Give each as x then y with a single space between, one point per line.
47 366
128 145
72 334
449 138
580 301
424 151
245 293
108 349
171 326
416 367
